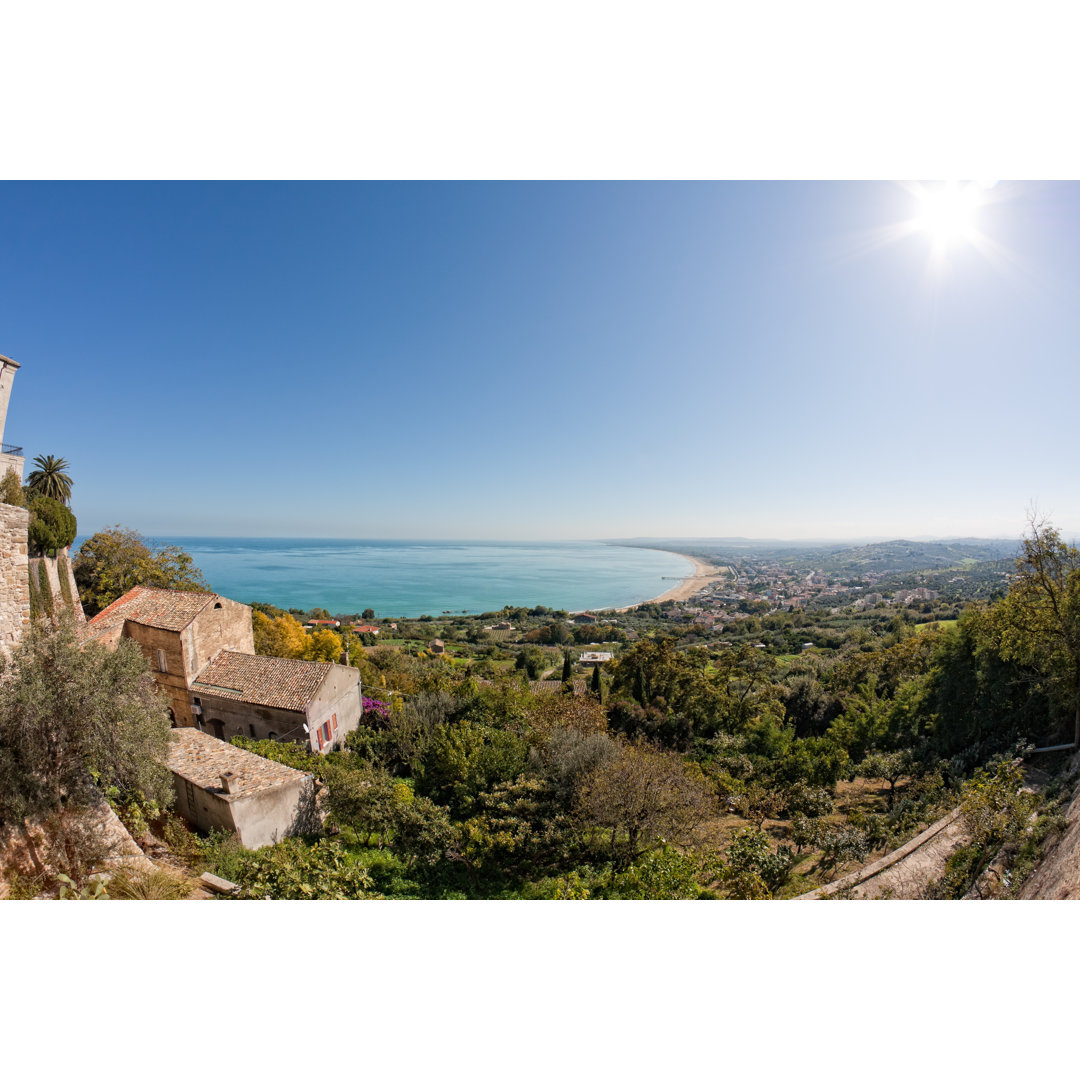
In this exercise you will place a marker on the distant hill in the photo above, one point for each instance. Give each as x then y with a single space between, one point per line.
838 557
899 556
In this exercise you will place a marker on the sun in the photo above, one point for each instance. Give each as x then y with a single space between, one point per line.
948 212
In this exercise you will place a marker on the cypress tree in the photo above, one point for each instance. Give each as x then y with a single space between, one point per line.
35 599
62 570
597 686
46 589
567 667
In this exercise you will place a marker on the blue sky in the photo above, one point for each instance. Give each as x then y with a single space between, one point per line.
543 360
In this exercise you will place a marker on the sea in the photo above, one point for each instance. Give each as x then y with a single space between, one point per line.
410 578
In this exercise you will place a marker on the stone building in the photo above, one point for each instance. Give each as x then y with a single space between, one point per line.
14 565
11 457
220 786
268 697
202 652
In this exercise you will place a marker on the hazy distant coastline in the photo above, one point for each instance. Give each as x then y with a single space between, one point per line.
703 574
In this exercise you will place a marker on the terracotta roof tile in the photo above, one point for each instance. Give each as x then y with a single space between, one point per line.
202 759
262 680
167 609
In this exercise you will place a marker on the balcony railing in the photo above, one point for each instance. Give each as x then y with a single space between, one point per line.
14 451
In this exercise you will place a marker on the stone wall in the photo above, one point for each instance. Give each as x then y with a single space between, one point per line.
242 718
167 653
14 577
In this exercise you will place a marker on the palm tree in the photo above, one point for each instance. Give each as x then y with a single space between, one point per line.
49 478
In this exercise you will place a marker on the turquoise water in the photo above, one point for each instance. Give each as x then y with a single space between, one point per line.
411 578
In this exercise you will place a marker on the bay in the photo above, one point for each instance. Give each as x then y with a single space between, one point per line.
410 578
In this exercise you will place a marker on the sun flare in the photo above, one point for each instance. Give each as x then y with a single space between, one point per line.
948 212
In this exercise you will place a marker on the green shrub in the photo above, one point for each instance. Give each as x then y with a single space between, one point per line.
182 842
21 887
52 525
134 809
286 753
11 490
665 874
993 806
222 853
295 870
964 866
754 871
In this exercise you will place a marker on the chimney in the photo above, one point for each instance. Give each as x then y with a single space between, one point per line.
229 780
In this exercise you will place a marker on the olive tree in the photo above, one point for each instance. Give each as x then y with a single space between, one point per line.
73 721
641 798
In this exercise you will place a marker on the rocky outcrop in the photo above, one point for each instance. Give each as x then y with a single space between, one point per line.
1057 877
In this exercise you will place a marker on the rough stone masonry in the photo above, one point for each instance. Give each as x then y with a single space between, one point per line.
14 577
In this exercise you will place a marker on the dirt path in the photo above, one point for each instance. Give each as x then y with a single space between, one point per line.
907 878
903 874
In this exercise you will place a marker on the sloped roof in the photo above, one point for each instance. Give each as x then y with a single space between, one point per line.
262 680
202 759
166 609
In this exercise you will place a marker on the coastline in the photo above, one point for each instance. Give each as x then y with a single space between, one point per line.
704 574
346 575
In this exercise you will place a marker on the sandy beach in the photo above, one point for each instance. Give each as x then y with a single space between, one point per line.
704 574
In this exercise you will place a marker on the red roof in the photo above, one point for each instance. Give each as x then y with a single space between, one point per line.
166 609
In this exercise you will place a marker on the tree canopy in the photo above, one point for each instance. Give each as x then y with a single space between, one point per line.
49 478
52 525
1039 619
117 559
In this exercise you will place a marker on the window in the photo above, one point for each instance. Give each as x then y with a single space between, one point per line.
326 731
272 735
251 728
161 665
334 718
318 731
217 605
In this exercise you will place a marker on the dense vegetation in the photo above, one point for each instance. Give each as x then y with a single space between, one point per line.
741 765
752 759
